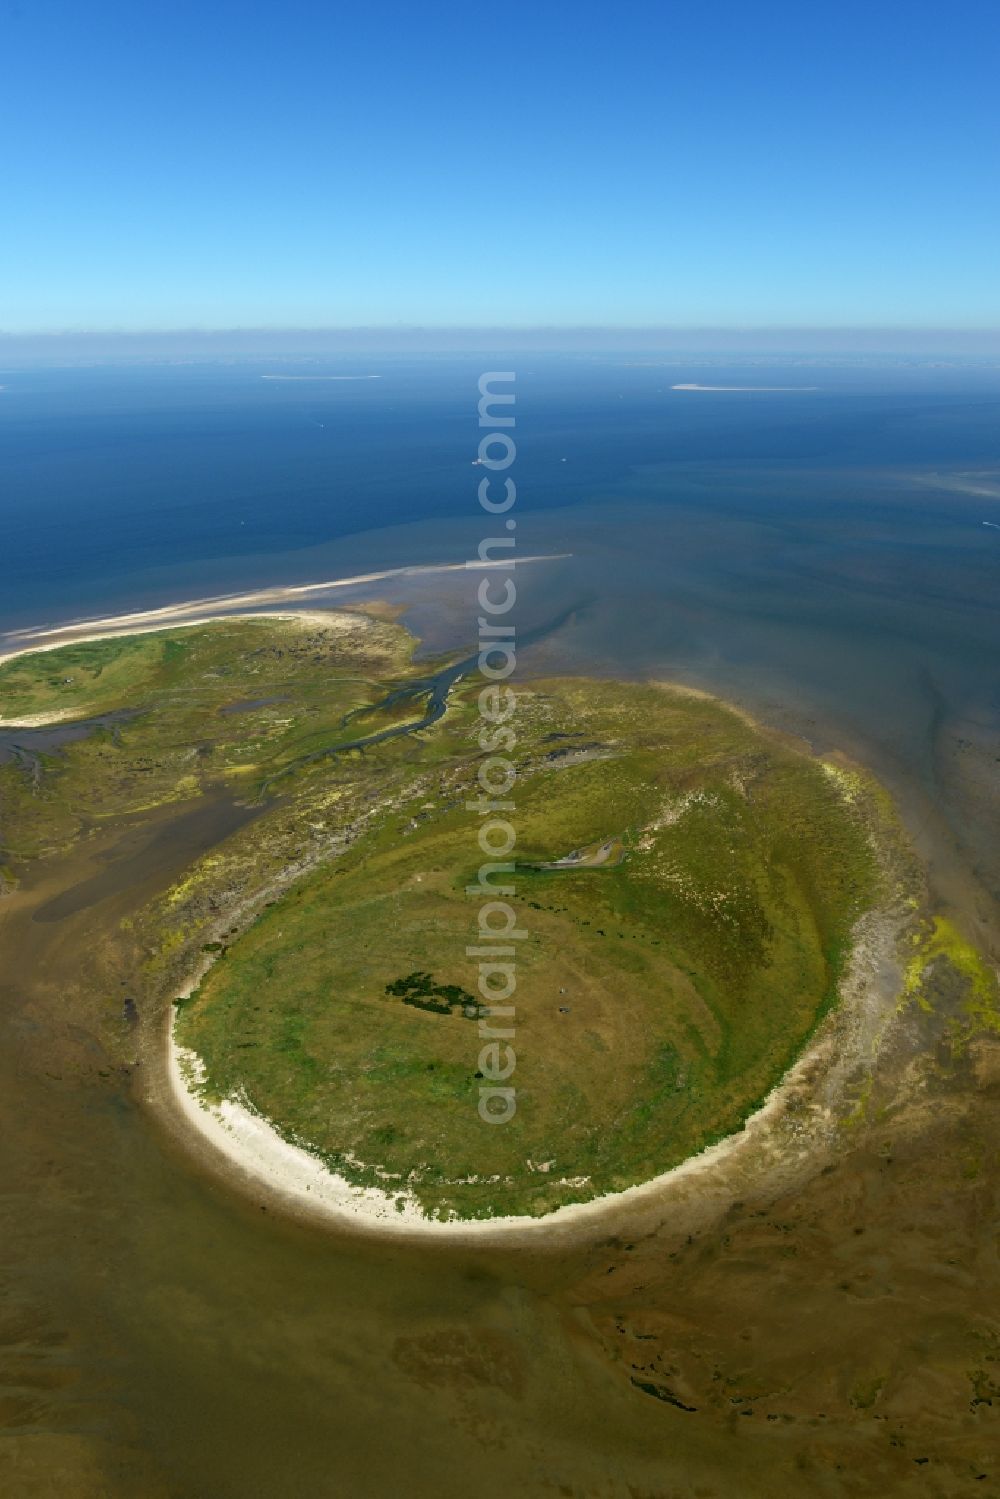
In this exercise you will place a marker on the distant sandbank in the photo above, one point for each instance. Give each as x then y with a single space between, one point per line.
321 377
771 389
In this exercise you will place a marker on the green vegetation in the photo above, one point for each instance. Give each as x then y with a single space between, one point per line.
219 705
687 885
660 992
420 991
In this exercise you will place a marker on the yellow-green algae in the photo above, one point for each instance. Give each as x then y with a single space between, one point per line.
938 938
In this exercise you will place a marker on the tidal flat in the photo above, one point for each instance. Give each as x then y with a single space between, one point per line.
496 1338
662 993
660 996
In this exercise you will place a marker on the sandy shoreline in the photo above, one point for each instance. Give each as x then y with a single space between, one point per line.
327 619
222 606
209 611
790 1132
250 1153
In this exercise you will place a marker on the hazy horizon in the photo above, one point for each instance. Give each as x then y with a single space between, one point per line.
680 341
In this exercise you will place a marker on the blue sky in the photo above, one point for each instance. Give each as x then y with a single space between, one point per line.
310 164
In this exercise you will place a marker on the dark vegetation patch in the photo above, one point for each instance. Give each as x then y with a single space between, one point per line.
420 991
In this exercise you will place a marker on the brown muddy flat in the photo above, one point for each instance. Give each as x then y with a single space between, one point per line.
137 859
166 1336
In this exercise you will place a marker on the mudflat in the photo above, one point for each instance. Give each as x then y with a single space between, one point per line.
686 1321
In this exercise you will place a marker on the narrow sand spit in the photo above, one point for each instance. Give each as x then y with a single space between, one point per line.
202 611
208 611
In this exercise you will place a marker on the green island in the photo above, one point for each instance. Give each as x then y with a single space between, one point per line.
687 882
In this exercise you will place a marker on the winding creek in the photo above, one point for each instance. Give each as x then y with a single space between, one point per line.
435 689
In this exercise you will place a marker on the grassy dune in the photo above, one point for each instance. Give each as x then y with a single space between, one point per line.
659 995
676 959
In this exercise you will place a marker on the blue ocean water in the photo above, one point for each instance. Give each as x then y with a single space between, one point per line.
821 543
121 486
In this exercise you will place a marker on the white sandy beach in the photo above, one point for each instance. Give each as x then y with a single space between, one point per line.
324 619
206 611
220 606
786 1135
252 1154
248 1150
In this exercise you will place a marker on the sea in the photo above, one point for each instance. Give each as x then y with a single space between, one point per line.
817 541
818 538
